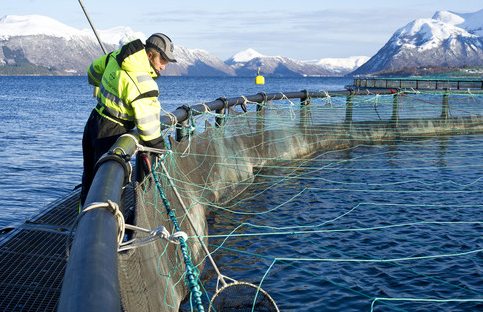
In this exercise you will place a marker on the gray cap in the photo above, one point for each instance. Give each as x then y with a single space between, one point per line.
163 45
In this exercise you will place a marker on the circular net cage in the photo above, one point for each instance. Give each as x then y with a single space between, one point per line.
240 297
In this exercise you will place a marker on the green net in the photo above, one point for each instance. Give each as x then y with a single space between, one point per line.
219 172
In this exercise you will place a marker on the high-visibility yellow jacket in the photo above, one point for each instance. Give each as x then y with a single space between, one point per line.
128 94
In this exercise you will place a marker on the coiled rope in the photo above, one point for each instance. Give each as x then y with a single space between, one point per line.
109 205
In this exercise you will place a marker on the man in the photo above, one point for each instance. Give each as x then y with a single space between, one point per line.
127 98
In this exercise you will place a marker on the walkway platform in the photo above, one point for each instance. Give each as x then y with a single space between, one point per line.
34 256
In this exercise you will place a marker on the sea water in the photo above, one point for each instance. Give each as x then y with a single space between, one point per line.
42 120
400 221
394 227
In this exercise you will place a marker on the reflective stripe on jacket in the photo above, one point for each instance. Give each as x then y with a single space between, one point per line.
127 90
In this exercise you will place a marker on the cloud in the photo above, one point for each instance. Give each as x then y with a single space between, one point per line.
302 33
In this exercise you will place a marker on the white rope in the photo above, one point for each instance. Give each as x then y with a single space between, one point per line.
245 100
471 94
328 98
143 148
158 233
207 108
191 129
174 238
172 117
292 112
112 207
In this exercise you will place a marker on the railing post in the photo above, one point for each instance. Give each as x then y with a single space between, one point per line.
220 121
261 118
181 130
306 99
349 107
395 109
181 127
445 106
304 102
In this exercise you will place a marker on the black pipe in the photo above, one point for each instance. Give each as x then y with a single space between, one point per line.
180 114
91 280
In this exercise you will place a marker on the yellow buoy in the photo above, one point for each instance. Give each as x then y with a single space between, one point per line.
259 79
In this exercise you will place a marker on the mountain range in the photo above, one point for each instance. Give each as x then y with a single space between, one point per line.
34 44
42 45
448 40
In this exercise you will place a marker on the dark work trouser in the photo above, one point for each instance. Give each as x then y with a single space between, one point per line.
100 134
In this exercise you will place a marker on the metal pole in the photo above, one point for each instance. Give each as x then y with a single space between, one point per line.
96 89
93 28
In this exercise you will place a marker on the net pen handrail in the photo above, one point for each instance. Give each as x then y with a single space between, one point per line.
180 114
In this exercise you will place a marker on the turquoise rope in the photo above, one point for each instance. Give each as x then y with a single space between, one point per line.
191 273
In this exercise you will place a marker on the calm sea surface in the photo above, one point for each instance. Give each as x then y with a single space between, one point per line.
42 121
385 228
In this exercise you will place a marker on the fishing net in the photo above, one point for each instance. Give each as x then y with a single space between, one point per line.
240 296
225 175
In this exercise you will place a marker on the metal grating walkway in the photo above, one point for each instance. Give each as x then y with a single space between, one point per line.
33 258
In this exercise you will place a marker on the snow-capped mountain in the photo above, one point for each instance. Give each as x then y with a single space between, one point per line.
197 62
342 65
247 62
243 57
447 39
46 43
37 25
43 45
31 25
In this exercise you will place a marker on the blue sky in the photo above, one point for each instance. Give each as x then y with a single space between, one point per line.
301 29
